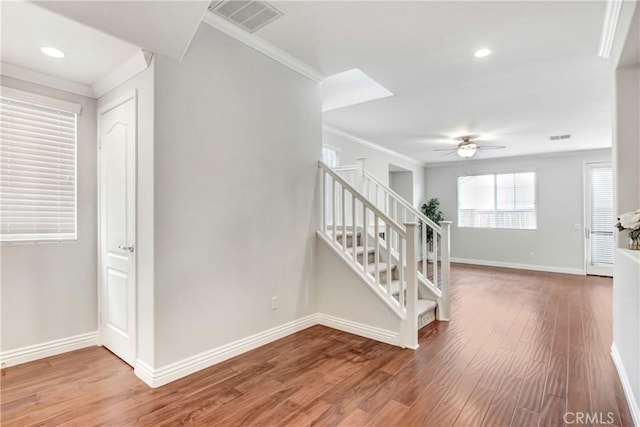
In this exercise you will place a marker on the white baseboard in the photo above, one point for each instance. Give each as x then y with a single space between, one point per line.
51 348
632 401
533 267
371 332
166 374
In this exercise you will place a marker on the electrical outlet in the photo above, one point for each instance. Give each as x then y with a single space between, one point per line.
274 303
532 255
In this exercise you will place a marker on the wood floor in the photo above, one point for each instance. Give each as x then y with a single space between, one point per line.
522 349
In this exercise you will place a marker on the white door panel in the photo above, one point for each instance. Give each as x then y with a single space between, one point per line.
117 133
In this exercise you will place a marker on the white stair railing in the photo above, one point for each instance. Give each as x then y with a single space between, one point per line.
434 254
347 215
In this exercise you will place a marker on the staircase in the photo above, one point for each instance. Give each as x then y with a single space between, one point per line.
386 243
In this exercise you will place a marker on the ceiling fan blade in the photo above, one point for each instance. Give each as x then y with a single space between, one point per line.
445 149
446 154
491 147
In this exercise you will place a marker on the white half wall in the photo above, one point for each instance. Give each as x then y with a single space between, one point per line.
237 141
49 290
377 162
347 303
557 244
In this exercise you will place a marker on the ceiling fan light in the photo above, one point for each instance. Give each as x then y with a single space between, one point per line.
468 150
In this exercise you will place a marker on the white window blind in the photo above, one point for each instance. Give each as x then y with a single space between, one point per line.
37 172
602 217
498 201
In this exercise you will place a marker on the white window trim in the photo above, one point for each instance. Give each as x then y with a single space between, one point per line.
507 172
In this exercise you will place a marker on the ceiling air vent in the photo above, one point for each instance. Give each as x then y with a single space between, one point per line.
250 15
559 137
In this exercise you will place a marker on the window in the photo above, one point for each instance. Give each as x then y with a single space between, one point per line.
37 168
498 201
330 156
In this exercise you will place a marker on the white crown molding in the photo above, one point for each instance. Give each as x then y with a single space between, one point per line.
20 73
369 144
51 348
534 156
632 401
132 66
166 374
609 27
517 266
262 46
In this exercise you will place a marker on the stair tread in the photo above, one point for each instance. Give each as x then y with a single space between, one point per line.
425 305
382 266
360 250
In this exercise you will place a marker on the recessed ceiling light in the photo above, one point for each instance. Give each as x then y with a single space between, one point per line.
481 53
52 52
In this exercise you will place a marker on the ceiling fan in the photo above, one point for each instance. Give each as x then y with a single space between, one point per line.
467 148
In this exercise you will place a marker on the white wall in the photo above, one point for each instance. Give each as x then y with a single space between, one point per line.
238 137
49 289
342 294
143 84
626 276
377 162
556 244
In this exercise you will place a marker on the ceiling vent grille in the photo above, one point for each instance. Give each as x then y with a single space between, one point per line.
250 15
559 137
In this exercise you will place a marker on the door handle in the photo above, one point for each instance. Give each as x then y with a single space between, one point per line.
126 248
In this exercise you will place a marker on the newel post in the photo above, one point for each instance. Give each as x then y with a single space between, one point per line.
360 174
444 308
411 277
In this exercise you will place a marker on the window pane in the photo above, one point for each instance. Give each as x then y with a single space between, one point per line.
497 201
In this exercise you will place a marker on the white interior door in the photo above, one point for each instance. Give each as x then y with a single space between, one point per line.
117 140
600 219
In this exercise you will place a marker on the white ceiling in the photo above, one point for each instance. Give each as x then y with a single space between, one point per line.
165 27
90 54
544 77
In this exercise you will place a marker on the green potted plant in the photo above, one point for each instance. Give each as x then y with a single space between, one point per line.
431 210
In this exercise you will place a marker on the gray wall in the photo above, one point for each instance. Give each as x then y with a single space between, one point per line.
402 183
555 244
49 290
237 140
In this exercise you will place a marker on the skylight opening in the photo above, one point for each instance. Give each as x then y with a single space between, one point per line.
350 88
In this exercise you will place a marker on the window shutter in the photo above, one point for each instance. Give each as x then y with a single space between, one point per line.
602 217
37 172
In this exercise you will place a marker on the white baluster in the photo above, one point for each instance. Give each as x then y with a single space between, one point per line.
423 245
333 208
365 236
354 229
343 207
323 183
400 267
435 258
387 238
376 250
444 309
411 321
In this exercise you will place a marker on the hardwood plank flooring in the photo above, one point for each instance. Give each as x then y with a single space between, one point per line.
522 349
